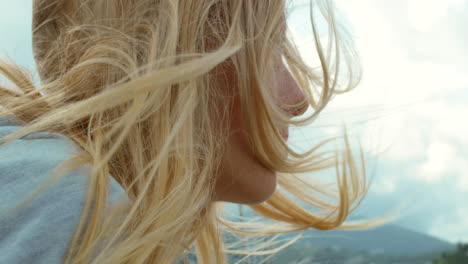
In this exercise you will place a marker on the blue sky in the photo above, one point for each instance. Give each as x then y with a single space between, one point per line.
408 111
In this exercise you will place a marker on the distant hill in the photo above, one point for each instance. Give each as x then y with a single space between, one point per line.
389 244
389 239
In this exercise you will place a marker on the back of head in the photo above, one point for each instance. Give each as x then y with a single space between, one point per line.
67 33
48 21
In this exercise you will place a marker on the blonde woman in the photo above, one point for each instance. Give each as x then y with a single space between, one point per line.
153 113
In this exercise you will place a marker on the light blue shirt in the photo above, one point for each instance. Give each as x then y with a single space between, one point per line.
40 232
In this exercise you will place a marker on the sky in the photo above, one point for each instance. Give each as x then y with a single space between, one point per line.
408 111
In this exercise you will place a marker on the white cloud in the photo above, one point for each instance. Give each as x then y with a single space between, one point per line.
423 14
441 158
395 137
451 125
455 229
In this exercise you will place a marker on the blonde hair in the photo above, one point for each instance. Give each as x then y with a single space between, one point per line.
132 83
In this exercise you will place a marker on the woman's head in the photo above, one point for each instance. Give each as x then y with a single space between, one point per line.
183 102
63 39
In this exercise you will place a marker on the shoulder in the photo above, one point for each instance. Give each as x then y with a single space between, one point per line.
39 232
